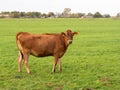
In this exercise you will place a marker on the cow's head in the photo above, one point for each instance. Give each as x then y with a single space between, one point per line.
68 35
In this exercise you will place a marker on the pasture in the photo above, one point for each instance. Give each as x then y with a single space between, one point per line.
92 62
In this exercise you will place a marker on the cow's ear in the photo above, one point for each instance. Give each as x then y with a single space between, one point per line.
75 33
62 33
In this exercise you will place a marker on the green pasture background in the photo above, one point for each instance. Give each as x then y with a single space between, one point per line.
92 62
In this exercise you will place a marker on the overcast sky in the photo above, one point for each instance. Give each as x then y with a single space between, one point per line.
111 7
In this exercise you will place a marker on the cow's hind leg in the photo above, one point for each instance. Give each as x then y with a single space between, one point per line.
26 56
19 59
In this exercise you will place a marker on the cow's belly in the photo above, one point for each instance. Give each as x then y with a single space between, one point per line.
42 53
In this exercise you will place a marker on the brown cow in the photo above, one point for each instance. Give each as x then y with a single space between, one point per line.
41 45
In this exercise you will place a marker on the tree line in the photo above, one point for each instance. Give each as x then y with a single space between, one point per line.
65 14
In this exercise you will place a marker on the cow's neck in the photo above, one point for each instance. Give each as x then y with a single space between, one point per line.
65 44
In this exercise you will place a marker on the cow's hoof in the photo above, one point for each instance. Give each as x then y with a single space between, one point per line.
52 72
19 71
29 73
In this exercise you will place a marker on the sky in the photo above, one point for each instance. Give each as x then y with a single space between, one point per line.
111 7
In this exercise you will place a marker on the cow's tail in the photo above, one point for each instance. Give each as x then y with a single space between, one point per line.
19 44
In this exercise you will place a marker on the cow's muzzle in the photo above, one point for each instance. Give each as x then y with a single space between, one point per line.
70 41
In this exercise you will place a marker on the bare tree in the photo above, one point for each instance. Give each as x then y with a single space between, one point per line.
66 13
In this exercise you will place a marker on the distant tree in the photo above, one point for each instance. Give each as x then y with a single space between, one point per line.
66 12
28 15
77 15
15 14
118 15
97 15
89 15
44 15
106 16
80 14
22 14
73 15
37 14
4 14
33 15
51 14
58 15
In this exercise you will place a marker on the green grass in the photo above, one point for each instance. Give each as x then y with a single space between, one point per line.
92 62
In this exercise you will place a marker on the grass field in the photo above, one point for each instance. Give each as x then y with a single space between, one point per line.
92 62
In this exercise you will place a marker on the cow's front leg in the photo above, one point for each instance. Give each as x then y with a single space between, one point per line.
60 65
55 63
